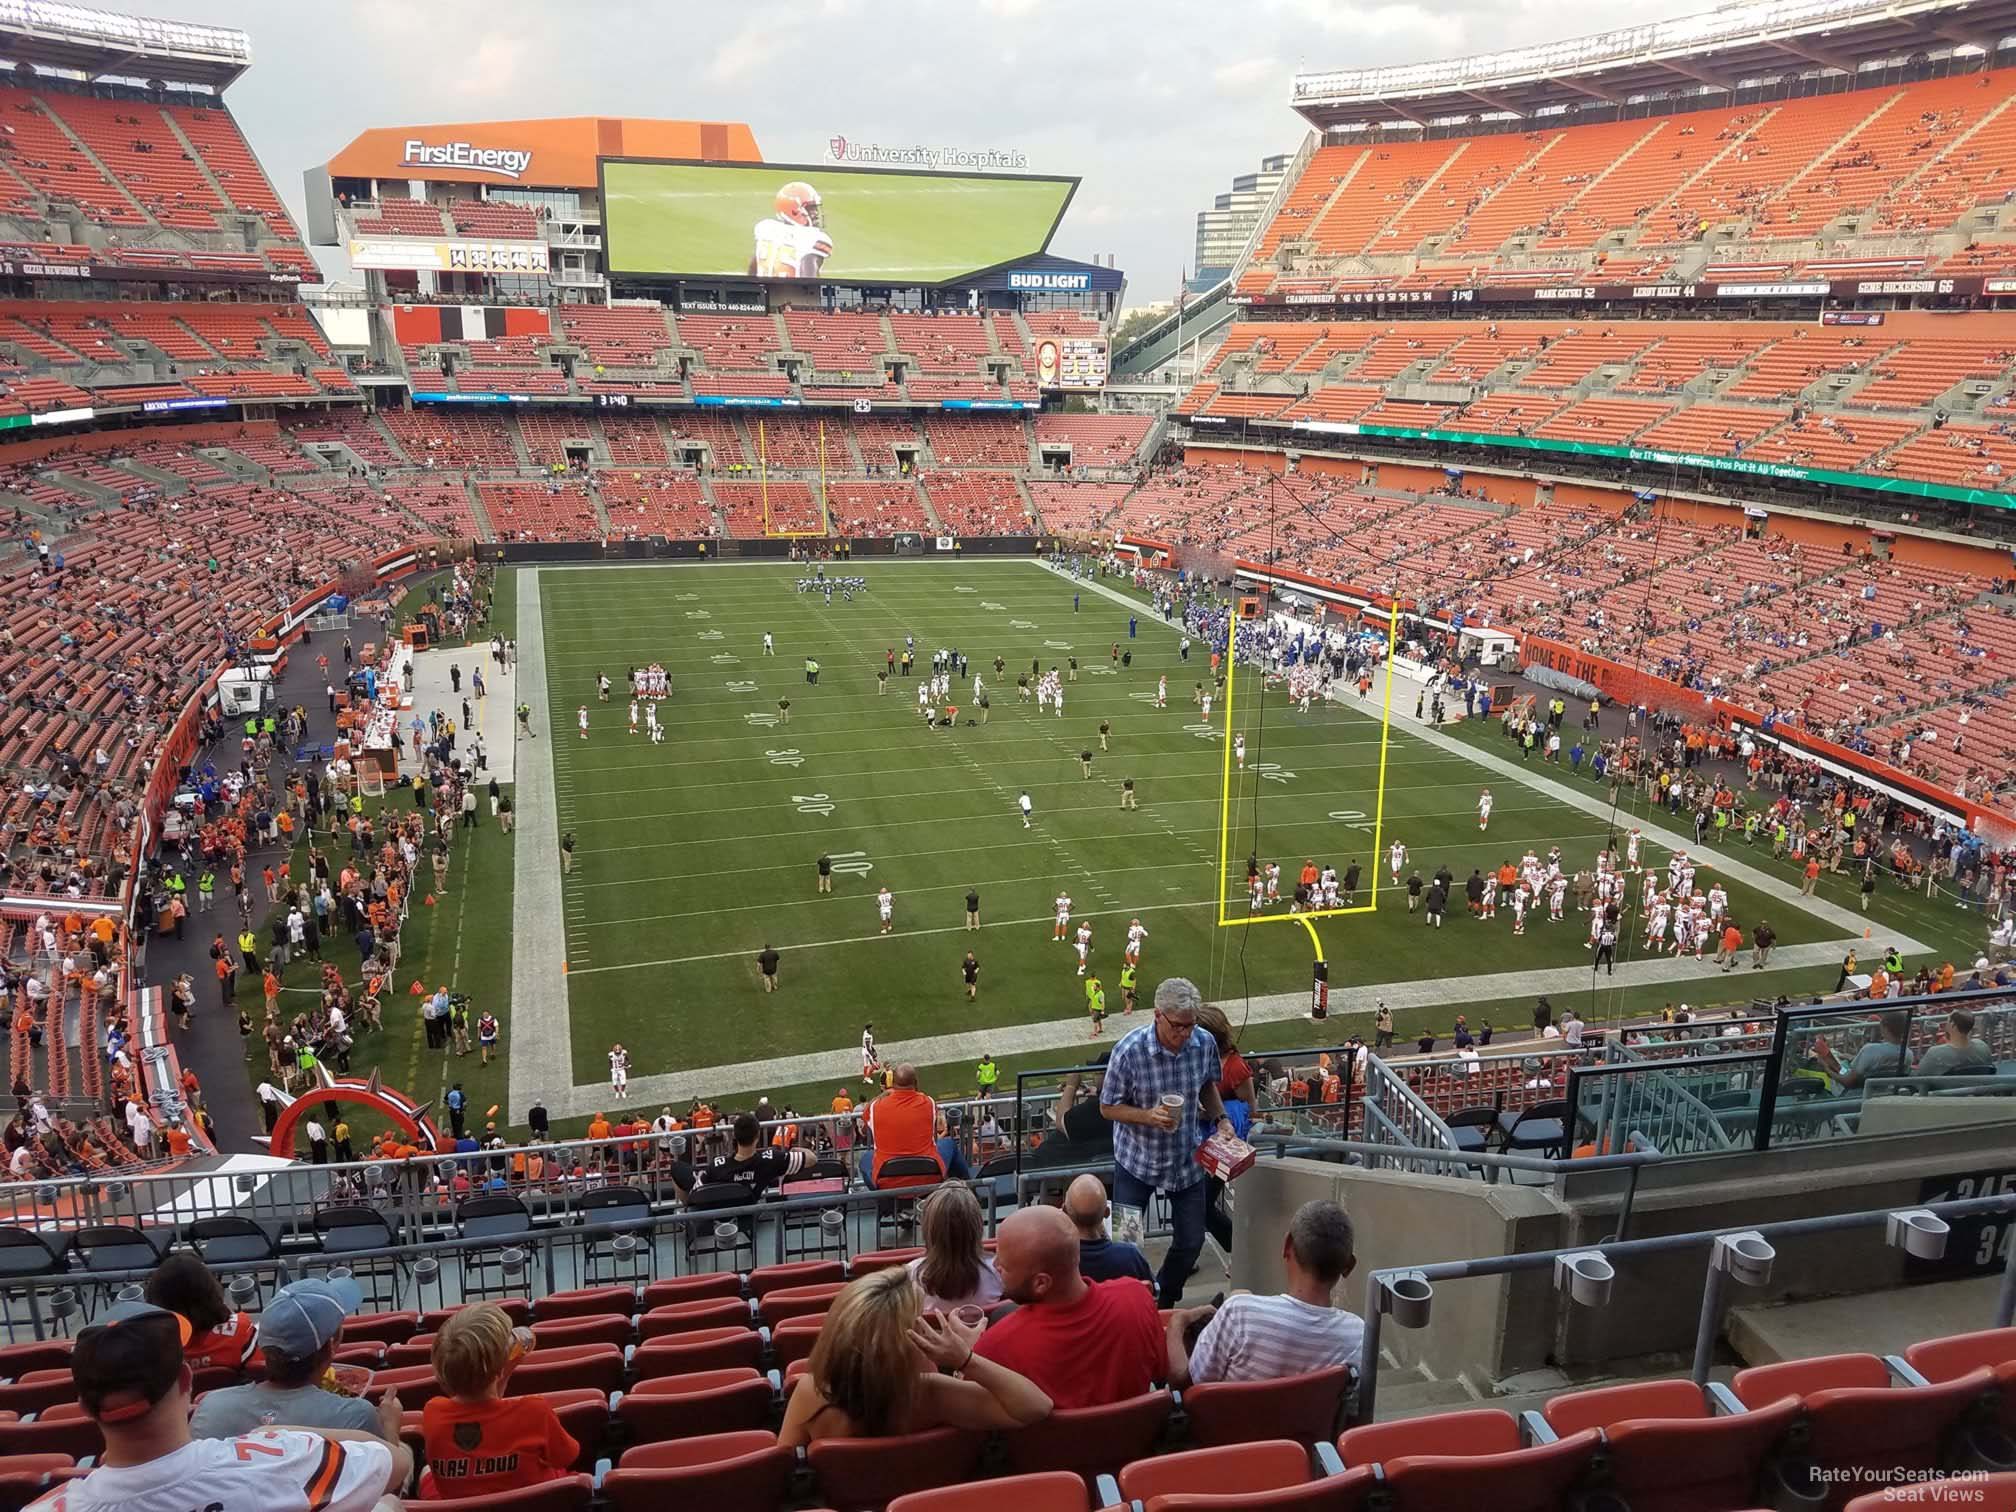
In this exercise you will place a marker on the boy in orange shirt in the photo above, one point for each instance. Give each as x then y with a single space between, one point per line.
481 1443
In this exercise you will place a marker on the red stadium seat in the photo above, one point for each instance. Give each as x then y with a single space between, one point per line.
1862 1431
1956 1355
728 1470
16 1360
1052 1491
696 1404
700 1288
702 1349
1522 1480
769 1278
518 1309
1353 1491
692 1316
1689 1464
792 1340
380 1327
1234 1469
1089 1441
596 1366
572 1493
416 1384
800 1302
36 1390
1304 1408
590 1302
605 1328
62 1429
858 1474
874 1260
1483 1430
1605 1405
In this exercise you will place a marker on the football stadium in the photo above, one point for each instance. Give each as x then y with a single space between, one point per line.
687 826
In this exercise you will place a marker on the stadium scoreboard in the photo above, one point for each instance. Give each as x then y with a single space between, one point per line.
799 222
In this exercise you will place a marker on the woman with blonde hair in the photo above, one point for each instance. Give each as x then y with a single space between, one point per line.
876 1371
954 1270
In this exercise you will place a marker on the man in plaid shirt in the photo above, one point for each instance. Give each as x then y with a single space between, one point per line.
1155 1142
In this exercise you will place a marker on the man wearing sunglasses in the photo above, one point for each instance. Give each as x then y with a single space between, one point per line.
1161 1082
133 1381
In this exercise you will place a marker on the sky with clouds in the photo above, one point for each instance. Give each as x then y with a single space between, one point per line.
1155 106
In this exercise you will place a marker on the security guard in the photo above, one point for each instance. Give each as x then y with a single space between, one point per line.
1127 989
986 1074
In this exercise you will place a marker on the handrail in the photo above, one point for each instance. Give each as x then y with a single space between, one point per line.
1380 1298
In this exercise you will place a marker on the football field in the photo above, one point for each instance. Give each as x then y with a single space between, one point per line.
694 854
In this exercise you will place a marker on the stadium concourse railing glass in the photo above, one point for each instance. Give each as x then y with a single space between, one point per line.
1588 1277
1820 1071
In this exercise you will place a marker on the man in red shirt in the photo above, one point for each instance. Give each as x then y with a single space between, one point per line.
1084 1343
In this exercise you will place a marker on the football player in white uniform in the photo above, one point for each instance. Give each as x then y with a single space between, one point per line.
792 243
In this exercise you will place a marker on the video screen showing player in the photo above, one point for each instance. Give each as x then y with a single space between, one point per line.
792 243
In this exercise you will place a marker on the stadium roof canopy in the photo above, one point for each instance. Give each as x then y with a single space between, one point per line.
75 39
1717 52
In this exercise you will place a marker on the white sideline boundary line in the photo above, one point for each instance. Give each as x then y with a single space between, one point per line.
541 1027
542 1039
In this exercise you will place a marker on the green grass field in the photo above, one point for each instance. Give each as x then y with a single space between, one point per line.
696 853
903 227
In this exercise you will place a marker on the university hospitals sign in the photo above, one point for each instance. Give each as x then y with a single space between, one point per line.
847 150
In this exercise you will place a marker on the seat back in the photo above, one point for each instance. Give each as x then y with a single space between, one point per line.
115 1246
380 1327
517 1309
1677 1464
705 1286
589 1302
1524 1480
61 1429
1761 1384
792 1340
230 1238
569 1493
1353 1491
869 1261
597 1366
609 1328
1090 1441
1482 1430
1869 1435
703 1349
696 1404
768 1278
690 1317
26 1253
800 1301
856 1475
1241 1469
1956 1354
1304 1408
1604 1405
727 1470
1048 1491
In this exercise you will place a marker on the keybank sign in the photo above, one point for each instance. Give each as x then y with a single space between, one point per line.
505 162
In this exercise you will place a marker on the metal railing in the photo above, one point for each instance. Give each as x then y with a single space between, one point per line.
1397 1115
1406 1293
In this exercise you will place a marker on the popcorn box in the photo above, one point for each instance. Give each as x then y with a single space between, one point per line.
1225 1156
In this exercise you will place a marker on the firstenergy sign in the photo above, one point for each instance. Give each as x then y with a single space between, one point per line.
505 162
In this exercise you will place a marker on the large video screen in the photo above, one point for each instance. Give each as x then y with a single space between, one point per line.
786 221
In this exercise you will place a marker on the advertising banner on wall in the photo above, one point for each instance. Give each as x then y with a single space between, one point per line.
415 255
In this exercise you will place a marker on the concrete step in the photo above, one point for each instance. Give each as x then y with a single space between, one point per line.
1855 1324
